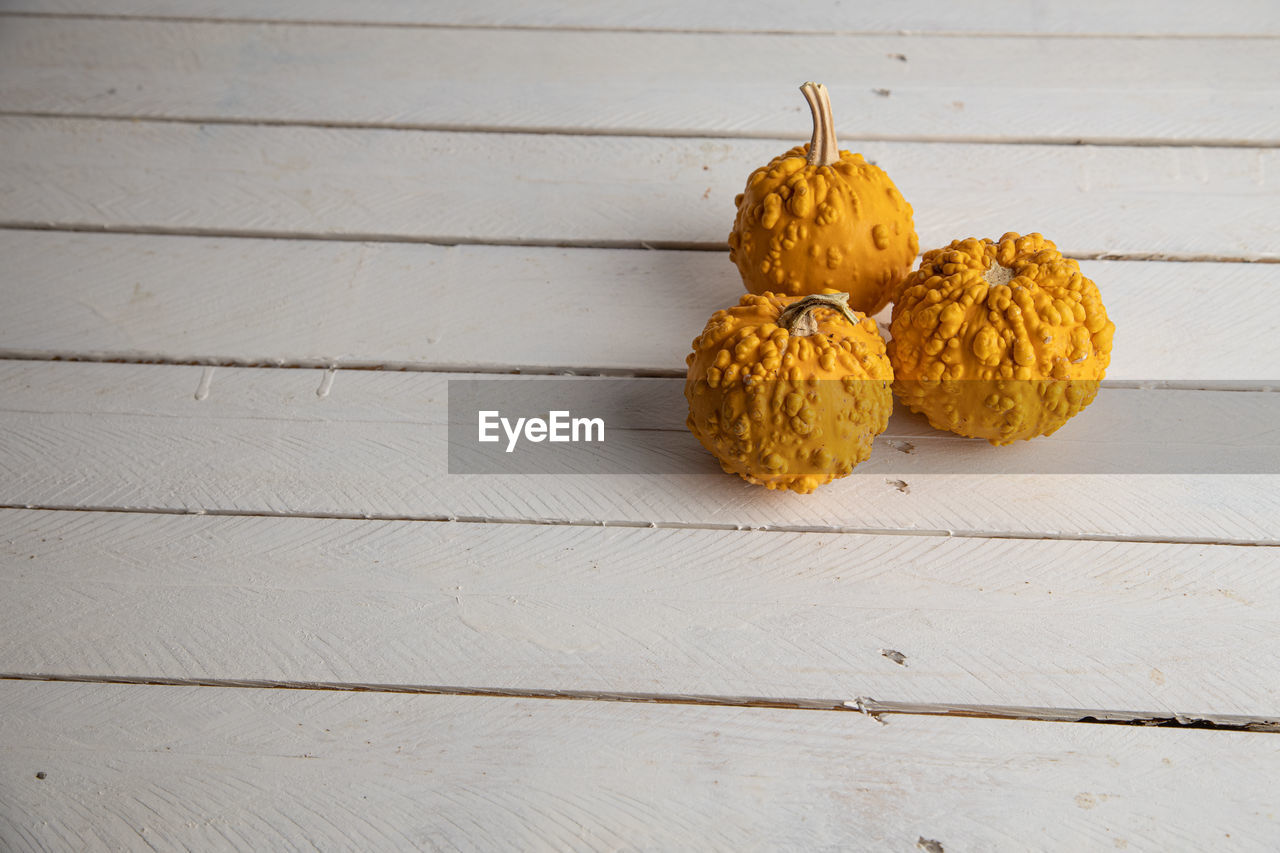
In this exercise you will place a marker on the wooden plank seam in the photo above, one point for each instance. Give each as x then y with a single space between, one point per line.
861 705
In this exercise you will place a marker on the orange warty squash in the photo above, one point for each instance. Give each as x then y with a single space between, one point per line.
818 218
1002 340
788 392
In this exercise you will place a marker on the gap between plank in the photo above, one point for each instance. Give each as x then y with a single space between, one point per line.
343 364
585 371
659 525
642 133
627 245
585 28
862 704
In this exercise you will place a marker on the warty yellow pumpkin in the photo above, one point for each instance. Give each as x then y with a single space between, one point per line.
817 218
788 392
1002 340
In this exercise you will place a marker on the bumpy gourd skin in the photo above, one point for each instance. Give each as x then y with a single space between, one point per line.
805 229
1002 341
787 411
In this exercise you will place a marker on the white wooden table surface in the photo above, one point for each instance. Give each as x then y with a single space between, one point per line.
244 246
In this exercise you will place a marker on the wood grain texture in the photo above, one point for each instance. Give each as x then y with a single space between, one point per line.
905 87
227 300
978 616
224 769
1174 629
466 187
1145 17
262 440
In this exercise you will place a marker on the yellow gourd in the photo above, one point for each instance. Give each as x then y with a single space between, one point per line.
818 218
788 392
999 340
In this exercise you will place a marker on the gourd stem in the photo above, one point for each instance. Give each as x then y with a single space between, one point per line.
797 318
823 150
997 274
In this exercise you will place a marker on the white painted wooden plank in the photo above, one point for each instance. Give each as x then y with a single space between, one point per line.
224 769
266 301
916 87
262 440
450 187
1186 629
1144 17
227 300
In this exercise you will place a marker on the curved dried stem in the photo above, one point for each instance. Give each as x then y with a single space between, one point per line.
797 318
823 150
